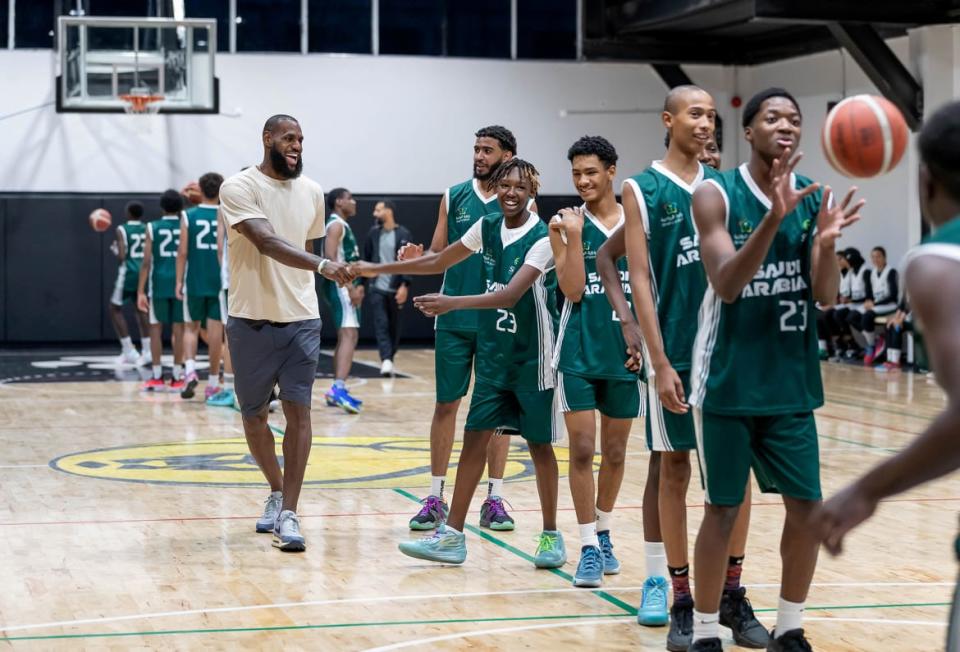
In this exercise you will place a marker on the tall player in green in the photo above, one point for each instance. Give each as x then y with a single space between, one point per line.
932 273
767 241
130 238
462 206
340 245
590 356
157 289
198 284
514 388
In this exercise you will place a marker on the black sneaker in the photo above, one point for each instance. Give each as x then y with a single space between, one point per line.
792 641
737 614
681 628
706 645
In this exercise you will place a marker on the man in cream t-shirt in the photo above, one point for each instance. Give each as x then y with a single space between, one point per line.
274 328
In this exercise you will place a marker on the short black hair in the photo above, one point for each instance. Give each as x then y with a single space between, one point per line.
171 201
881 250
333 196
595 145
752 108
854 257
274 120
134 209
939 145
210 184
500 134
389 204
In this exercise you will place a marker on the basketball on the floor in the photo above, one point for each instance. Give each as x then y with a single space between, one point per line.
864 136
100 219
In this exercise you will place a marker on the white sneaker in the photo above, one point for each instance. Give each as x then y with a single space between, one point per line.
386 369
130 357
271 510
286 534
145 360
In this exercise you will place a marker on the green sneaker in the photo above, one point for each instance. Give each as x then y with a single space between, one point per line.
551 552
442 546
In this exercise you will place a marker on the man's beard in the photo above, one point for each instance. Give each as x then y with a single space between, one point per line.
279 163
490 172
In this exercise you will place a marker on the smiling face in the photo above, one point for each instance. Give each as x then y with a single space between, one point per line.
285 145
775 128
487 157
710 155
591 177
513 193
692 121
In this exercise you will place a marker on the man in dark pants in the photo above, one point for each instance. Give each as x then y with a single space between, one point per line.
388 292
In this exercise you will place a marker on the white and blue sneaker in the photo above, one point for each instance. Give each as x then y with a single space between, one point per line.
611 565
590 569
652 611
286 534
444 546
271 510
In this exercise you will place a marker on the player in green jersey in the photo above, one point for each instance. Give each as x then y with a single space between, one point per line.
767 244
932 273
461 207
157 286
340 245
514 388
128 247
198 284
590 355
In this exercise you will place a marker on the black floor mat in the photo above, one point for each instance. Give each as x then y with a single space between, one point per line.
85 364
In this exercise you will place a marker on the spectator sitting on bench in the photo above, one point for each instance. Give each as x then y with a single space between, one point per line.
880 299
832 329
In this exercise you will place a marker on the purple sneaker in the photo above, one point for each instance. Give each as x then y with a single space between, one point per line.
494 515
432 514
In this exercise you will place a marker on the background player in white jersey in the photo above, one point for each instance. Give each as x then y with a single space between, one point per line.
128 247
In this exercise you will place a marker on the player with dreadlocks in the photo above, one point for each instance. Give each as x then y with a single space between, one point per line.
513 393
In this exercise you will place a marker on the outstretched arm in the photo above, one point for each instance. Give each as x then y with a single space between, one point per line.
428 263
831 219
438 304
934 287
260 232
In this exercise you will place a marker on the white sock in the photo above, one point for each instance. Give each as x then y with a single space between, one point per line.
870 338
656 557
893 355
157 372
452 529
436 485
177 371
227 381
213 382
789 616
603 520
191 366
705 625
145 345
588 535
126 344
495 487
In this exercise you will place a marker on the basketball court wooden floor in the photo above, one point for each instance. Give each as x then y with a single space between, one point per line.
127 522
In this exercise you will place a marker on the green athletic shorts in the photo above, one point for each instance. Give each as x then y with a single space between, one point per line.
530 414
201 309
617 399
345 314
666 430
453 358
782 449
166 311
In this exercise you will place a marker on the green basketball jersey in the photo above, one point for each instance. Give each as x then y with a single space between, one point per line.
165 235
676 273
514 346
944 243
589 340
347 251
202 273
465 205
758 355
134 235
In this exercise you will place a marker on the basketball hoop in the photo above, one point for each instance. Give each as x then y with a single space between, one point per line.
136 104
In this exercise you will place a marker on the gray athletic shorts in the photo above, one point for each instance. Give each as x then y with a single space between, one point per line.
268 353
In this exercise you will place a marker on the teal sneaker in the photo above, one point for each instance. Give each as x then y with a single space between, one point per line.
223 398
652 611
611 565
550 550
590 569
443 546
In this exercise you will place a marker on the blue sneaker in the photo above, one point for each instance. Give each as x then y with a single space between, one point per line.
551 552
590 569
340 396
443 546
223 398
611 565
652 611
331 397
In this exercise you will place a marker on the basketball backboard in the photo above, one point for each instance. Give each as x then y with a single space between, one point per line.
102 59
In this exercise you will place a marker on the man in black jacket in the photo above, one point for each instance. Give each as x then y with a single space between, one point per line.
388 292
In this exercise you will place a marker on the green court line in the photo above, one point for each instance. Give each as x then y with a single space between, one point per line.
865 606
617 602
286 628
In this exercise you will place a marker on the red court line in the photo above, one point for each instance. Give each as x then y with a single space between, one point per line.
821 413
173 519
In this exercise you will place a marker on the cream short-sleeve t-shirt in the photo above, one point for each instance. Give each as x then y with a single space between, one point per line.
261 287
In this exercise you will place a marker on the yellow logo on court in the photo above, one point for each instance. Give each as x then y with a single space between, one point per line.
335 462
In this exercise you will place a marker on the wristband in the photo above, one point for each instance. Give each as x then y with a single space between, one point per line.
323 261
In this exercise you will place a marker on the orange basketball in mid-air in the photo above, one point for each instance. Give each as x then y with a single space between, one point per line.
192 193
864 136
100 219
